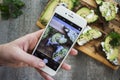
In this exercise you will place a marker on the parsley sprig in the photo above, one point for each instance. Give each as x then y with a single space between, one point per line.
11 8
115 39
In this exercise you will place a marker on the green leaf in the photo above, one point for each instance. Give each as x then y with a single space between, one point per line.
11 8
7 1
16 14
76 2
115 39
5 16
4 8
19 4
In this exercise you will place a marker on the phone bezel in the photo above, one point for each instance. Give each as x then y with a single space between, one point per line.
74 18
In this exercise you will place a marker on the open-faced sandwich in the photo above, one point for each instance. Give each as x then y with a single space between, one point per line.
103 16
47 13
87 14
108 10
111 46
88 35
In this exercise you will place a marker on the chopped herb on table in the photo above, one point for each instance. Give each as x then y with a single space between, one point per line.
11 8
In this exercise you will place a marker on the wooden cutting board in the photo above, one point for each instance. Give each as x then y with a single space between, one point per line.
90 48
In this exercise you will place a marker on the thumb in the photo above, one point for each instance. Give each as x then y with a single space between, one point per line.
30 60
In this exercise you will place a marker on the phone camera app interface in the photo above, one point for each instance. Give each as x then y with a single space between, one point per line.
56 41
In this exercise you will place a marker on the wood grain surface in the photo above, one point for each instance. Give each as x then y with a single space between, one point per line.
83 67
89 50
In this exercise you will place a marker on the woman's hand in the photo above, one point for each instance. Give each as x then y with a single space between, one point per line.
18 54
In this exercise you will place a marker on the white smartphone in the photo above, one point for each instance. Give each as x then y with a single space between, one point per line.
58 38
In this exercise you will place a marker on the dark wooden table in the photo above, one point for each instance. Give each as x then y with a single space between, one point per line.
83 67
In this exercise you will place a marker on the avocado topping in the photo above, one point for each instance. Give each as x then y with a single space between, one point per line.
88 35
99 1
59 53
108 10
111 47
47 14
88 14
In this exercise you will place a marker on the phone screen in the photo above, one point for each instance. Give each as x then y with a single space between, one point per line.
57 41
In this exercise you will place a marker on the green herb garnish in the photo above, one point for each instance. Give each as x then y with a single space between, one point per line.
115 39
76 2
11 8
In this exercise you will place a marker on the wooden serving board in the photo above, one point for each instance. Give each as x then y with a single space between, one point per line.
90 48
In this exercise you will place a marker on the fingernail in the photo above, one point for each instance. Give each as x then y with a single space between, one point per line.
41 64
49 78
76 52
69 67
